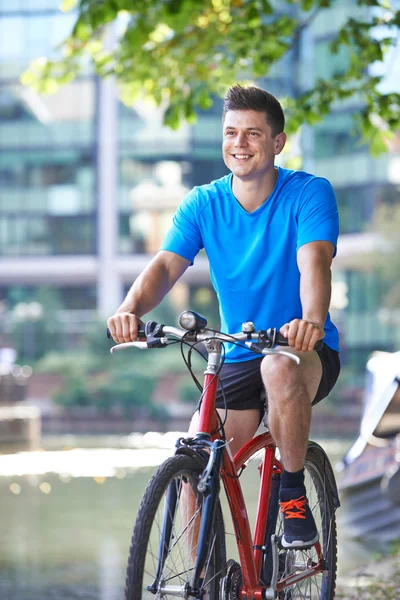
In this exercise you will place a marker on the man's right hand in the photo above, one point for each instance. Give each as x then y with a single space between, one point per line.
124 326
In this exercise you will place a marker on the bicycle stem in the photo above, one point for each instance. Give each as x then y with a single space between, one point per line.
207 415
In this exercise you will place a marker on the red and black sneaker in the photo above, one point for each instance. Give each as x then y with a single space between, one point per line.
299 529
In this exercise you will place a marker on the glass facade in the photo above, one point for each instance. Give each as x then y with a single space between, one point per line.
327 64
328 22
156 169
47 171
356 207
28 6
47 143
366 326
336 136
28 32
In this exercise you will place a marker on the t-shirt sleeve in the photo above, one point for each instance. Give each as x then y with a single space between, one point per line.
318 217
184 236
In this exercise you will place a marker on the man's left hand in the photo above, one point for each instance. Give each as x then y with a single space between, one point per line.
302 335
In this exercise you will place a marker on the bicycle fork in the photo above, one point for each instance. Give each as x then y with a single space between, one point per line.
208 486
166 533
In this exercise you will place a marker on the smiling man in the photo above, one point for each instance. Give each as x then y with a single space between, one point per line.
270 235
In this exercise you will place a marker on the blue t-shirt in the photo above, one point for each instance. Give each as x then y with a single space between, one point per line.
252 256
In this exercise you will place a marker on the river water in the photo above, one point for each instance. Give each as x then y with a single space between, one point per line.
67 514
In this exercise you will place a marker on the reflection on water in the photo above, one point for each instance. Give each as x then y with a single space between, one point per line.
67 517
72 532
80 462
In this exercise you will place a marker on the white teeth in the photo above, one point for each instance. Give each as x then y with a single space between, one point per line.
241 156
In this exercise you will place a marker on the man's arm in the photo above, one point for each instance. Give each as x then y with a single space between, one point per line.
314 261
146 293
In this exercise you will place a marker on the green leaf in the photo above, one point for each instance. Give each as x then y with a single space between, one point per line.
204 99
68 5
172 116
82 31
266 7
173 6
307 4
190 113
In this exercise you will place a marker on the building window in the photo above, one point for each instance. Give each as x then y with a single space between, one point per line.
44 235
356 206
27 37
61 297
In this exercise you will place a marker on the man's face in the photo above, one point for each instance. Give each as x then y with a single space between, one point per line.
248 146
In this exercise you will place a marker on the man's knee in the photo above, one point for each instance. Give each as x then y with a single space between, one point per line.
280 374
278 371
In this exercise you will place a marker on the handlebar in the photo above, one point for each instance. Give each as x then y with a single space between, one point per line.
156 335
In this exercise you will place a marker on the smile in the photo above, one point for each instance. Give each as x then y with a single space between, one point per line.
241 156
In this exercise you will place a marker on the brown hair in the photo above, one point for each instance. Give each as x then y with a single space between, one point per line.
239 97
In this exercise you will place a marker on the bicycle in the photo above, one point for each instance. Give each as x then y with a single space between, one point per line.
178 544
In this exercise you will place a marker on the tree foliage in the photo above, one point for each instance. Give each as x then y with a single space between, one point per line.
126 380
181 53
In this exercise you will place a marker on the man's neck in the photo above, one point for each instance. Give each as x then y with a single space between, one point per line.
252 193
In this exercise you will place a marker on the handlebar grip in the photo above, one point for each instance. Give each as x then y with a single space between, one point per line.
141 333
282 341
319 345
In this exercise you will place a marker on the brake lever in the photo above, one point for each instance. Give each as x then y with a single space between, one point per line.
283 353
263 350
154 334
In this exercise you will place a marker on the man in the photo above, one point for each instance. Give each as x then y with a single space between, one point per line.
270 235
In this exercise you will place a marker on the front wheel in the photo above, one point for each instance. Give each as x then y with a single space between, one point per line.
322 505
163 548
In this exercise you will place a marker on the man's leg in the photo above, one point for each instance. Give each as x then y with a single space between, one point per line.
291 388
240 426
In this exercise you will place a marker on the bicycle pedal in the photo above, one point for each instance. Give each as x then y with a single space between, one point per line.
299 548
286 548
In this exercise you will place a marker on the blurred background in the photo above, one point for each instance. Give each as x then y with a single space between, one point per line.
88 188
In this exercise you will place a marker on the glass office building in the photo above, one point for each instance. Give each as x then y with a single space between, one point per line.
88 186
47 165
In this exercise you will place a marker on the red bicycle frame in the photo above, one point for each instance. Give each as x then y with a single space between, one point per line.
250 551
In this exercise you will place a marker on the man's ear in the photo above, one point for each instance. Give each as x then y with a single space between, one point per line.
280 141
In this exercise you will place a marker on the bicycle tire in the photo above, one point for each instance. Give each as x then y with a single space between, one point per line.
178 567
321 500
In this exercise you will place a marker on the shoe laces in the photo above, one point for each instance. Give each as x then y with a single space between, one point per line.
294 509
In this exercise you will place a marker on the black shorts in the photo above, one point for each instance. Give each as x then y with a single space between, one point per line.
243 387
